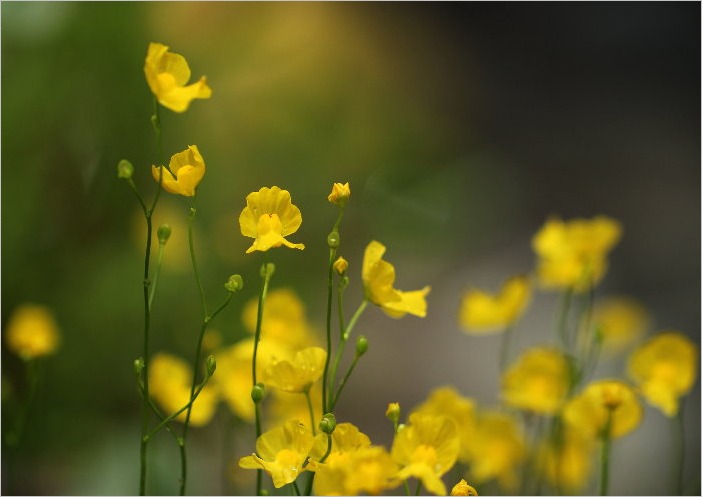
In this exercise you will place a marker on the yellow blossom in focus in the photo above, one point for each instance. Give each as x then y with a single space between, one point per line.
378 280
567 462
665 368
426 449
270 216
339 194
573 254
590 409
32 332
538 381
185 171
297 374
167 74
483 313
281 452
620 322
170 380
448 402
462 488
497 448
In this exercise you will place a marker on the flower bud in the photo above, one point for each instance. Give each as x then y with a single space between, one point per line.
210 364
340 194
328 423
333 239
462 488
341 265
393 412
138 366
361 345
125 170
234 283
163 233
267 270
257 393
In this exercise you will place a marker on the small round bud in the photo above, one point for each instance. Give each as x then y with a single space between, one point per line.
333 239
267 270
138 366
210 364
234 283
257 393
340 194
341 265
361 345
393 412
163 233
328 423
125 170
400 427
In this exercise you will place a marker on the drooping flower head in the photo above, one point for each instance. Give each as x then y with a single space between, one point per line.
484 313
167 74
378 280
620 321
185 170
573 254
32 332
665 368
270 216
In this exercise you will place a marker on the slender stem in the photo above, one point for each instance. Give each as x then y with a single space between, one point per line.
343 382
33 373
167 420
563 318
678 428
309 407
147 320
419 487
324 458
330 275
296 490
406 485
138 196
159 261
342 344
504 351
604 454
193 259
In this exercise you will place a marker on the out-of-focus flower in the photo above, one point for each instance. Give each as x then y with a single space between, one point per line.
346 438
281 405
482 313
620 322
496 450
378 280
297 374
665 368
462 488
368 469
281 452
167 74
340 194
538 381
599 400
169 212
32 332
448 402
426 449
270 216
573 254
567 461
184 173
170 380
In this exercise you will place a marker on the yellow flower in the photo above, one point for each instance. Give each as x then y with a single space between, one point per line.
447 401
365 470
665 368
32 332
345 438
573 254
591 408
341 265
167 73
170 379
340 194
378 279
462 488
281 405
568 463
184 172
296 375
620 321
496 449
281 452
427 448
538 381
483 313
270 216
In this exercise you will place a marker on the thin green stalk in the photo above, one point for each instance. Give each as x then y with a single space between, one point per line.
343 382
309 407
330 276
678 428
171 417
193 259
604 454
418 488
563 318
159 262
308 491
342 344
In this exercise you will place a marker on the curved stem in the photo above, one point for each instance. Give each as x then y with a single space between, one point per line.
309 407
343 382
342 344
159 261
193 259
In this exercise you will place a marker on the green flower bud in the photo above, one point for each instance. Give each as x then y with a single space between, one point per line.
138 366
234 284
125 170
333 239
361 345
257 393
267 270
210 364
163 233
393 412
328 423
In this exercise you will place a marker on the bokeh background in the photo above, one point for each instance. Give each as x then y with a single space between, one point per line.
461 127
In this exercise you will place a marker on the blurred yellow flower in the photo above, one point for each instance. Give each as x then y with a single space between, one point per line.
184 172
340 194
281 405
448 402
167 74
573 254
345 438
462 488
568 462
483 313
538 381
665 368
378 279
170 380
590 409
298 374
270 216
620 321
281 452
426 449
32 332
368 469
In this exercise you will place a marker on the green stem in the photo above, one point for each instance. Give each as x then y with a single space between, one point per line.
330 275
419 487
324 458
604 454
168 419
159 261
342 344
343 382
563 318
191 245
309 407
678 428
147 320
33 374
504 351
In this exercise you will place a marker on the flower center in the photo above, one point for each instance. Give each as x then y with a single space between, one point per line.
269 223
